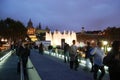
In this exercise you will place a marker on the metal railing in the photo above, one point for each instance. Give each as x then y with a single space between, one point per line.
21 71
7 54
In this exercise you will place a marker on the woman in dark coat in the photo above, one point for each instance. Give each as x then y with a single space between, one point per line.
112 60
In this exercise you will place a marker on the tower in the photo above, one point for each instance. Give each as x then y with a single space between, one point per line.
30 24
39 26
83 29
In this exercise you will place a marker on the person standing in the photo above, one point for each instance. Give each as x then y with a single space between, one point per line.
23 52
73 56
18 53
50 49
66 52
41 50
26 54
98 61
88 56
112 60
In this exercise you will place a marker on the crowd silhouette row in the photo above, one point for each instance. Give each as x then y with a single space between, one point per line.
93 53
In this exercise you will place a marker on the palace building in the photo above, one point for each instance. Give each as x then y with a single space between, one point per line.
31 31
56 37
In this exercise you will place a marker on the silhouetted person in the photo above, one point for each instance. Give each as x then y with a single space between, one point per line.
112 60
66 53
18 53
50 49
23 52
88 56
41 50
26 53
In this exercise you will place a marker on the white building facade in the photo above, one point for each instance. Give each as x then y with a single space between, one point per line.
57 36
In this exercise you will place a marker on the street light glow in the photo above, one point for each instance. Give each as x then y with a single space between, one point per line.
105 42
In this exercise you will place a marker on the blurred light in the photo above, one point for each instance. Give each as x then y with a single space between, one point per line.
102 48
82 44
2 39
105 42
5 40
109 48
92 41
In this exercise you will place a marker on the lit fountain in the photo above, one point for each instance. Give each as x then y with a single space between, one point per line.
56 37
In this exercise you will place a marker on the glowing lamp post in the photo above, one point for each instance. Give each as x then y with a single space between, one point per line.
105 45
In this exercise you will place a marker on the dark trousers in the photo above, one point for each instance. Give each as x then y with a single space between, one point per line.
66 57
74 64
18 67
96 68
91 61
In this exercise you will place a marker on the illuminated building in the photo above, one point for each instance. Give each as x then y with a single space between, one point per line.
38 34
57 36
31 31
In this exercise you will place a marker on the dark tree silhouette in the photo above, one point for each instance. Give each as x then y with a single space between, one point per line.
12 29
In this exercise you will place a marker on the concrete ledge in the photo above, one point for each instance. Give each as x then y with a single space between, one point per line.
32 72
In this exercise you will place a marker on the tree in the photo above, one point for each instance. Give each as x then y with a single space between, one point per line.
12 29
112 33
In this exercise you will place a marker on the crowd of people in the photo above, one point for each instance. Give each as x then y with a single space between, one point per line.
93 54
97 57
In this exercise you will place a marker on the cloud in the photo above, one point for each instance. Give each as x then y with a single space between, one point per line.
64 14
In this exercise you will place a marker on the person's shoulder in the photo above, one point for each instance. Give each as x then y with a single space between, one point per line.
95 48
71 46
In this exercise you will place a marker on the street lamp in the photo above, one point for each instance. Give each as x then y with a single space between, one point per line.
2 39
105 45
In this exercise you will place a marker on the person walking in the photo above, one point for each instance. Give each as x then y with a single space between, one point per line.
73 56
98 61
66 53
23 52
18 53
112 60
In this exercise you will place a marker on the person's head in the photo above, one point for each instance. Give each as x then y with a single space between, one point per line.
88 43
93 44
65 43
73 41
99 44
116 45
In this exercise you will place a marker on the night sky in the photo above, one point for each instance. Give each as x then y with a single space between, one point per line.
64 14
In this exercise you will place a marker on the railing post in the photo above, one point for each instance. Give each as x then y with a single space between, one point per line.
21 71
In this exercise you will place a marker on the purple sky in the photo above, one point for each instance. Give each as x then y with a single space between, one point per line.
64 14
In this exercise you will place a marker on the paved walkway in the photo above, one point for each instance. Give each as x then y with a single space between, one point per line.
48 67
52 68
8 68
